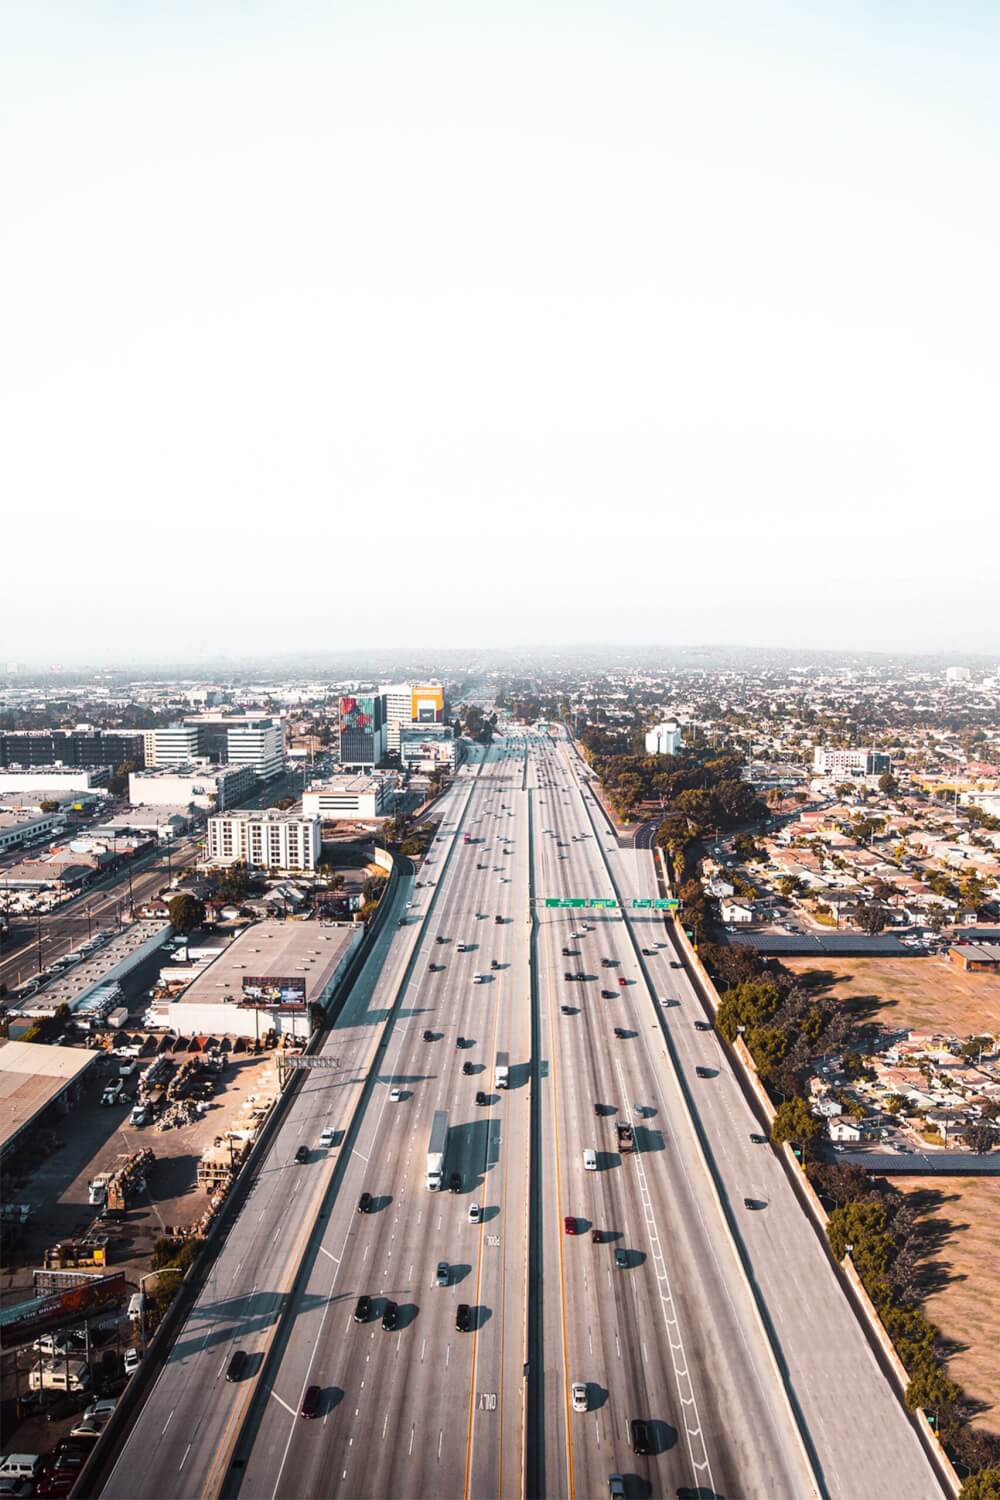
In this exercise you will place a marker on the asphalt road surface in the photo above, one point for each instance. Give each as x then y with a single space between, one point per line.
720 1326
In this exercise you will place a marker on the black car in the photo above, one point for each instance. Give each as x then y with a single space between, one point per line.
481 1098
648 953
498 920
641 1435
440 939
428 1036
455 1182
702 1025
620 1032
310 1401
607 994
757 1138
466 1068
365 1203
567 1010
237 1365
463 1317
568 953
494 963
390 1316
568 977
675 963
704 1072
433 968
302 1154
607 963
363 1309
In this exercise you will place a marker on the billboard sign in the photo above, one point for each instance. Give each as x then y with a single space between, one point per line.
271 989
66 1297
357 715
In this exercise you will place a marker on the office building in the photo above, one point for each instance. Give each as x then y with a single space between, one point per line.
850 762
664 739
81 747
253 740
258 743
362 740
351 797
427 747
174 746
406 703
266 839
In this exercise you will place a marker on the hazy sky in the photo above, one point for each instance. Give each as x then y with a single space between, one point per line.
354 323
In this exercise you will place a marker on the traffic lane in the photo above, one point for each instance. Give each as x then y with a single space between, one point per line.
761 1373
800 1293
620 1384
237 1296
798 1286
366 1149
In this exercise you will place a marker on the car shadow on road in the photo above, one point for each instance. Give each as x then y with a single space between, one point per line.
648 1140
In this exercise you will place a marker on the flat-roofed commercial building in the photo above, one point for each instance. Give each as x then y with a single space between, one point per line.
351 797
427 747
210 788
55 779
21 827
35 1078
267 840
267 977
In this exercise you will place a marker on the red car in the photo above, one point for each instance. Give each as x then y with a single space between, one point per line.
622 980
570 1225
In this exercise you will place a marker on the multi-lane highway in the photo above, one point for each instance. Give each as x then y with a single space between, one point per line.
641 1289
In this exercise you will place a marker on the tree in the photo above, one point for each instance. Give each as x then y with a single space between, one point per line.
888 784
982 1486
753 1003
118 780
979 1138
973 1045
795 1122
235 883
871 917
186 912
862 1224
48 805
789 885
285 803
931 1388
896 1103
373 887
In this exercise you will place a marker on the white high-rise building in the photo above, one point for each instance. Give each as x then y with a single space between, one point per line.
664 739
406 703
268 840
177 745
259 743
957 674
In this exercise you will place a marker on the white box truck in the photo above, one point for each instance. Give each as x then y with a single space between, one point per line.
437 1151
501 1072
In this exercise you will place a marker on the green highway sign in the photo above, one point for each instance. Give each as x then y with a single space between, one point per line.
605 904
642 903
564 901
645 903
601 903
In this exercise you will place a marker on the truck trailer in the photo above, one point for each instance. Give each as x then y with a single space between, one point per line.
437 1150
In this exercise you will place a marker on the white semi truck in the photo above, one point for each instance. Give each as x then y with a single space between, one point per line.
437 1150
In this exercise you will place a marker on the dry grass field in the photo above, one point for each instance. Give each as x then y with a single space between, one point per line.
963 1215
929 994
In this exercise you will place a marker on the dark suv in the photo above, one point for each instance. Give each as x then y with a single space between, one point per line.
463 1317
641 1435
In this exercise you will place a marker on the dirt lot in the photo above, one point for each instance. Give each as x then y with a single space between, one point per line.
928 994
965 1301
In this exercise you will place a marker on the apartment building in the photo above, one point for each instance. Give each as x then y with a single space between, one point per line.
266 839
212 788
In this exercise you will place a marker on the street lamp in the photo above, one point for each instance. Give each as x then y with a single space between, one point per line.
142 1303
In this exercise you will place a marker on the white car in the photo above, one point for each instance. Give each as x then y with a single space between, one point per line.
578 1395
590 1160
475 1213
133 1359
395 1095
477 978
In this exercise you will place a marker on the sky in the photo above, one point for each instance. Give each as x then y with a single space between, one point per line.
434 324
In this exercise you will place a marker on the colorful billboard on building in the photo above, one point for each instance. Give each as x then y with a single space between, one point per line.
272 990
